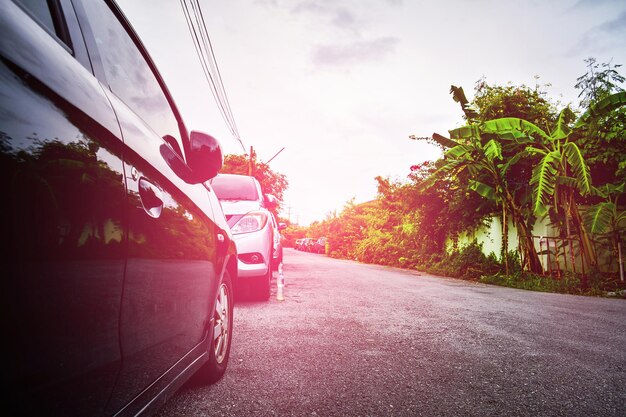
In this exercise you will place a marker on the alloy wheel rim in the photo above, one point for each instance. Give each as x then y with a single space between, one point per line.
222 321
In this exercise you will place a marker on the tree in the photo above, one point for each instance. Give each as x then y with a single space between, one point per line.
523 102
557 175
560 170
605 219
496 169
482 159
271 182
599 82
603 138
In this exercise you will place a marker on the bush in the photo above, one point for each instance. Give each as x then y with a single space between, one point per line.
468 262
569 283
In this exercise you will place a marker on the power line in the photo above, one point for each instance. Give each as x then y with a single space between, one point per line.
200 36
270 160
208 62
213 62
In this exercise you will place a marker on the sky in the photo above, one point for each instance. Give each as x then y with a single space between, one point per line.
341 84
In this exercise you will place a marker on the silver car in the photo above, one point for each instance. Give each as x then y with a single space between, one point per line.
277 254
253 228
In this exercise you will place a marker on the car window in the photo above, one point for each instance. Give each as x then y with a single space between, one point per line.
48 14
128 74
41 10
235 188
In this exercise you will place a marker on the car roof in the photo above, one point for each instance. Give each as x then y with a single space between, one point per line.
237 187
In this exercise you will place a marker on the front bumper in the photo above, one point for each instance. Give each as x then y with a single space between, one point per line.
249 243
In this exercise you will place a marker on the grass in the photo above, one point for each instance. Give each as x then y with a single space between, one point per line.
597 284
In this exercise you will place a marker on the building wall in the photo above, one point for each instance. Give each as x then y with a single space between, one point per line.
555 254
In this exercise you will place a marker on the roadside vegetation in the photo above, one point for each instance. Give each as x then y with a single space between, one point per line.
272 182
521 158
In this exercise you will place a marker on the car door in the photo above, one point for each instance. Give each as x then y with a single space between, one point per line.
63 223
171 271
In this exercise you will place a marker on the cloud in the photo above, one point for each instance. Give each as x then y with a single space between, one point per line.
589 4
615 27
605 36
338 16
354 53
343 18
266 3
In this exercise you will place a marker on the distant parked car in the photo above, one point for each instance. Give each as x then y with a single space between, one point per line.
319 245
252 225
306 244
298 244
116 260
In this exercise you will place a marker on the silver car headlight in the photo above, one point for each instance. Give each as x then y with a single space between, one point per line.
251 222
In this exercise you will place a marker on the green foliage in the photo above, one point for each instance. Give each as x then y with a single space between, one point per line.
606 216
602 129
560 172
516 158
544 181
271 182
579 167
468 262
599 81
291 233
522 102
599 217
570 284
458 95
345 231
597 283
515 127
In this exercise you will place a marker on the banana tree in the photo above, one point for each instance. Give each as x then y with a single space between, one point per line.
561 170
487 177
605 218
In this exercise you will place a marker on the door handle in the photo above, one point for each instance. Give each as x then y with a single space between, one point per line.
151 198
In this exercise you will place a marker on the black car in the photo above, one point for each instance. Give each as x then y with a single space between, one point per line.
117 276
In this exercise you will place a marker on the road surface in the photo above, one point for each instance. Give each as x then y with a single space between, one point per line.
360 340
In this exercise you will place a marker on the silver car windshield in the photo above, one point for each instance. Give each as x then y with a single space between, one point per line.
235 188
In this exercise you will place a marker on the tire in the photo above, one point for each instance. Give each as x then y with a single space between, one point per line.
278 260
220 334
263 285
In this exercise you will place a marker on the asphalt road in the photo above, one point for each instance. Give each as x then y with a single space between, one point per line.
361 340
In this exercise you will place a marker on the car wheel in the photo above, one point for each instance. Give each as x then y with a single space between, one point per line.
263 285
277 261
220 334
263 282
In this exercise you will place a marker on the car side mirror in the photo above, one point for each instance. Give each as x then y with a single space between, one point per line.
205 156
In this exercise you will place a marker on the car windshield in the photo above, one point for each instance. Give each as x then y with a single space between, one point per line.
235 188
